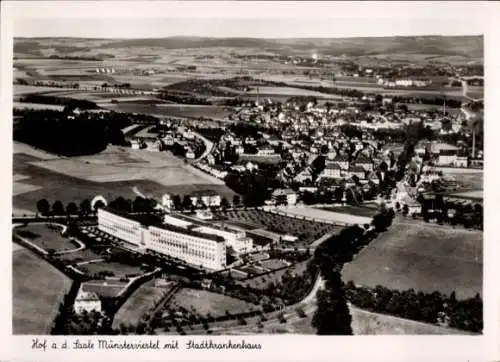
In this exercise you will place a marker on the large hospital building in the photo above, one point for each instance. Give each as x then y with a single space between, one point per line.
176 237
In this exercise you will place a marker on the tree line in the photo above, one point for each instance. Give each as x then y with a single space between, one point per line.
56 100
434 308
82 134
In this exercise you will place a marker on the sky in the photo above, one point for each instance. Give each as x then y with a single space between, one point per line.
155 19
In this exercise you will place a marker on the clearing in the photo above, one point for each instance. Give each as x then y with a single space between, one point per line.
37 289
140 302
205 302
46 236
424 257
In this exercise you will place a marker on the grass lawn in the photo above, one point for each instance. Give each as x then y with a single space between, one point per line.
262 282
108 289
46 238
273 264
144 298
79 256
424 257
119 270
366 211
205 302
37 289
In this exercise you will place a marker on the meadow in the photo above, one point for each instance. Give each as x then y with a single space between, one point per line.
46 237
37 289
421 256
205 302
140 302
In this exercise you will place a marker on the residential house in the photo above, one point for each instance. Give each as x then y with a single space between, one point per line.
190 154
332 170
167 201
357 171
266 151
287 196
304 175
364 163
86 301
207 198
342 161
211 159
136 144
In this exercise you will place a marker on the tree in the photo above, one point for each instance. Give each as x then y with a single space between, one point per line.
332 316
186 202
98 204
224 203
176 200
43 206
236 200
58 208
71 208
85 207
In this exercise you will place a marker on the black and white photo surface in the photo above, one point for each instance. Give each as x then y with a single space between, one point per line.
192 176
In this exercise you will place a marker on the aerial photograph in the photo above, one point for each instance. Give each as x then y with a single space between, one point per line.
201 179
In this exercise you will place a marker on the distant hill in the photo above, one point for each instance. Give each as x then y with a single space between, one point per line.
468 46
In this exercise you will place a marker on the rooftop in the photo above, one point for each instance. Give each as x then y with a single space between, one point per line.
148 220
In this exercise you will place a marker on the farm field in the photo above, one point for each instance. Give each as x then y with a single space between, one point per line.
364 211
145 297
290 92
171 110
262 282
104 289
119 270
70 184
368 323
205 302
23 105
424 257
326 216
473 180
474 195
37 289
45 237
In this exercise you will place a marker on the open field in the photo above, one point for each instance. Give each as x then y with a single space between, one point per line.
171 110
205 302
368 323
473 195
473 180
23 105
119 270
37 289
144 298
326 216
79 256
262 282
104 288
46 238
365 211
424 257
291 91
71 184
273 264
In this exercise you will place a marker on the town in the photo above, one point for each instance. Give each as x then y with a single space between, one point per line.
323 195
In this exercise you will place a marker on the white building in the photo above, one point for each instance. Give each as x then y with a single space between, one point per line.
86 301
172 238
266 151
208 198
235 238
285 195
121 226
167 202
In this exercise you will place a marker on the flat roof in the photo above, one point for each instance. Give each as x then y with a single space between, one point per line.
154 221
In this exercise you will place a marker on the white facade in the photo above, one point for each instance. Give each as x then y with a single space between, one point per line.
196 250
121 227
236 239
173 239
86 301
